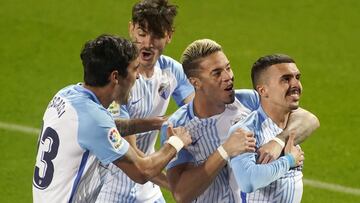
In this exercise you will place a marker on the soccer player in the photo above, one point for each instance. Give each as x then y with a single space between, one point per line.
79 137
200 172
161 77
277 80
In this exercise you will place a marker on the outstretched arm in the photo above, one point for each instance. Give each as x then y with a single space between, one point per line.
133 126
142 169
302 122
188 181
161 179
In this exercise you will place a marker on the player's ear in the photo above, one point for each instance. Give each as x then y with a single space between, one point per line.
261 89
169 37
114 77
195 82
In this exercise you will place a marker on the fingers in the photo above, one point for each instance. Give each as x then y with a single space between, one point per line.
290 142
170 130
291 138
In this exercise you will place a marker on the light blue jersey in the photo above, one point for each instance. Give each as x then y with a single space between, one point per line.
272 182
207 135
150 97
78 138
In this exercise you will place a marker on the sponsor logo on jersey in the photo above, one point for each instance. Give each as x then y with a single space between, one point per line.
164 89
238 118
115 138
136 101
114 108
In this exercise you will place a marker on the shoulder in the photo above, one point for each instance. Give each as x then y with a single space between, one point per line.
180 116
166 62
93 115
250 123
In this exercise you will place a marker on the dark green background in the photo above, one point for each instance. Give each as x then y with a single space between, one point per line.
41 41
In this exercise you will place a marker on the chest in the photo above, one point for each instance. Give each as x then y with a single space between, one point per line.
150 97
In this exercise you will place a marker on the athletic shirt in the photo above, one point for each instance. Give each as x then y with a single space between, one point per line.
272 182
150 97
78 139
207 135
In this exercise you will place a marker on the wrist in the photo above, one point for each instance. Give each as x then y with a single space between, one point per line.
291 160
223 153
175 142
279 141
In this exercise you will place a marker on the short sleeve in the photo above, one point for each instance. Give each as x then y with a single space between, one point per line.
98 134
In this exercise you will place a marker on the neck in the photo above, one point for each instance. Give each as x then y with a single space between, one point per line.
278 115
205 108
147 72
101 93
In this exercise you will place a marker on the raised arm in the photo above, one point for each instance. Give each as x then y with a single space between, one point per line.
303 123
142 169
188 181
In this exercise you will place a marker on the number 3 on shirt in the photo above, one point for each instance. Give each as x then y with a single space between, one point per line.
47 150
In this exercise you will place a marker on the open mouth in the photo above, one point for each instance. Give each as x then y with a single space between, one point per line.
146 55
229 88
295 93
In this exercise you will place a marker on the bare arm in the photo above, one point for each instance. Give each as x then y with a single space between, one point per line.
142 169
301 122
161 179
132 126
187 181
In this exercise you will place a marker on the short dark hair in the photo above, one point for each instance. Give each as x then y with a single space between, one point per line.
105 54
193 54
155 15
263 63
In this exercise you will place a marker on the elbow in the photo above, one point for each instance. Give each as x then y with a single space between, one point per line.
247 187
179 197
316 122
249 182
143 177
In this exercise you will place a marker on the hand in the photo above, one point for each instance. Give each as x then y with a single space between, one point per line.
269 152
296 152
158 121
239 142
181 133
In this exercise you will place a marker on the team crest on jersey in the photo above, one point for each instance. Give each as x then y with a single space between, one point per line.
115 138
164 89
114 108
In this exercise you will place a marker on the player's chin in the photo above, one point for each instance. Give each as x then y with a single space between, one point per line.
294 106
230 99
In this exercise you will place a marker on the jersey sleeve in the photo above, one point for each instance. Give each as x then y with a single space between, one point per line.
183 88
249 98
251 176
98 134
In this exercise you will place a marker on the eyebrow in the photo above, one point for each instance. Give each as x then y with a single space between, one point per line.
217 69
291 75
